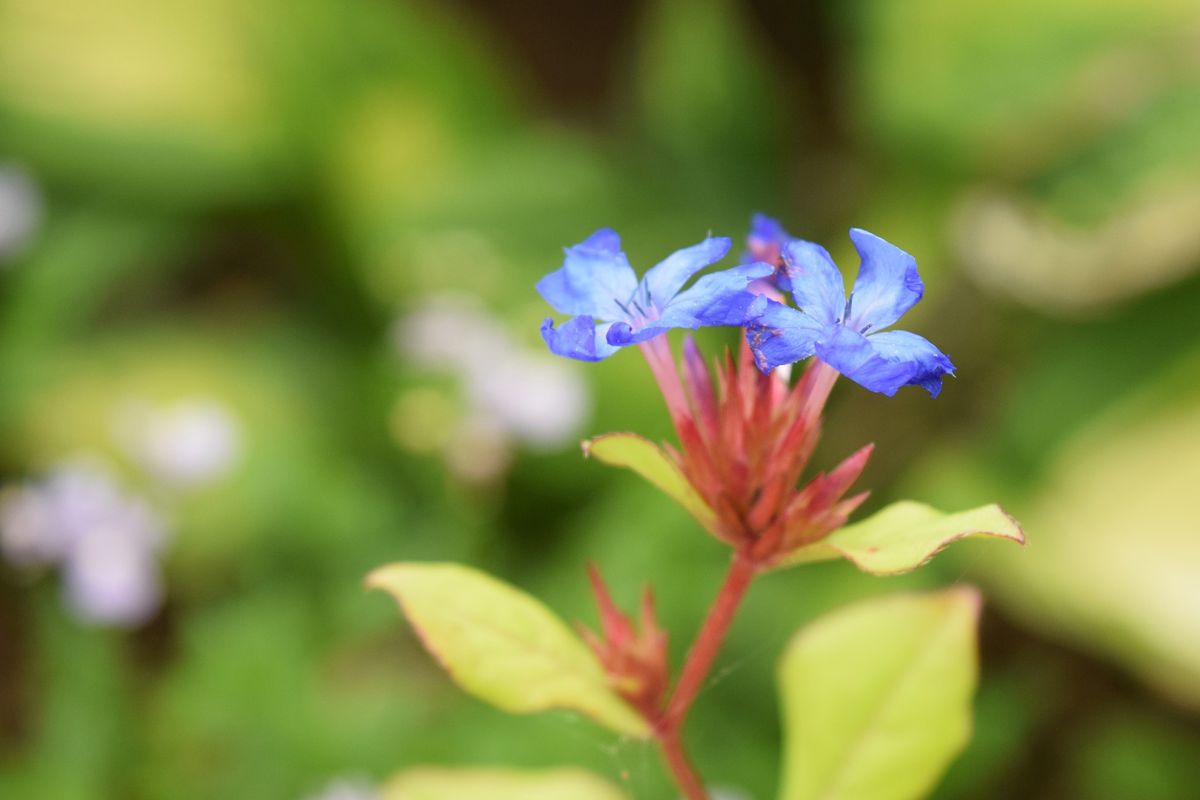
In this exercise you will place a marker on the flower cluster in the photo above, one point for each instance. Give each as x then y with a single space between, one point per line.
745 434
613 309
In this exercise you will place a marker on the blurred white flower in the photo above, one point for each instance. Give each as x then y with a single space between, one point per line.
28 536
729 793
539 401
20 210
449 332
112 576
513 394
40 522
347 789
105 541
188 442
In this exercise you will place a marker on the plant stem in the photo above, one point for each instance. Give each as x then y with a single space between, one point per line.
695 670
681 768
708 640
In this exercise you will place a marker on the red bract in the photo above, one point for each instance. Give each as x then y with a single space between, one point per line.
745 439
634 657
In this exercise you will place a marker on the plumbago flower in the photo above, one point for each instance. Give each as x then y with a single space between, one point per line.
596 283
745 436
765 245
848 334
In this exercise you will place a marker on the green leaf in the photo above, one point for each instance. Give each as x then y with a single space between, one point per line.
502 645
905 535
1117 569
435 783
648 460
877 697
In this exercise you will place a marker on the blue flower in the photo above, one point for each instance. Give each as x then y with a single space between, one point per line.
846 334
596 284
765 244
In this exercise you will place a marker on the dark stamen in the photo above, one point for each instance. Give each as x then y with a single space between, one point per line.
624 308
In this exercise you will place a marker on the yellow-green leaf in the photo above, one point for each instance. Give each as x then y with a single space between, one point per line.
648 460
877 697
1117 515
502 645
905 535
483 783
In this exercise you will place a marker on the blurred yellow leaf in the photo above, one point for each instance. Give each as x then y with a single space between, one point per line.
1117 562
648 460
877 697
905 535
502 645
437 783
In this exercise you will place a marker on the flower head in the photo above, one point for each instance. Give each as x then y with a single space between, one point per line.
848 334
597 285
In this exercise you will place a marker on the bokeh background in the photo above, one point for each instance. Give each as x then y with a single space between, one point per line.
267 320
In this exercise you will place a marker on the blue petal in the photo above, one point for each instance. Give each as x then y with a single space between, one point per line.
928 363
579 338
595 278
886 361
816 283
622 334
765 243
887 285
782 335
664 280
765 230
719 298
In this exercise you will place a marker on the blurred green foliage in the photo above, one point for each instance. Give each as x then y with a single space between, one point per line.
239 199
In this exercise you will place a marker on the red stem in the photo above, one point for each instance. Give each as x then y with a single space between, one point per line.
741 573
695 670
708 641
681 767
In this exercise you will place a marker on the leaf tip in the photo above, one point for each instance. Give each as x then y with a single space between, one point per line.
968 596
1017 534
380 577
